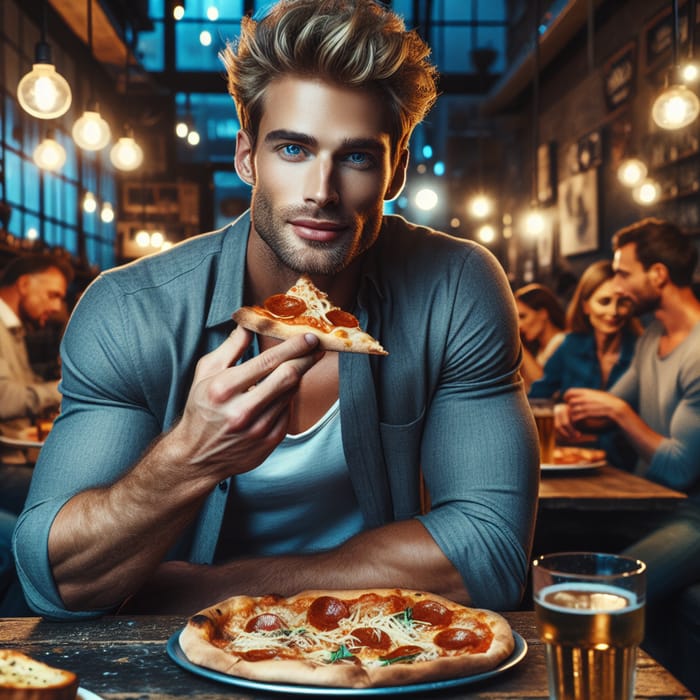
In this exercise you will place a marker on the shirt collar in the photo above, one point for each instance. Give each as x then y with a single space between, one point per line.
8 316
227 294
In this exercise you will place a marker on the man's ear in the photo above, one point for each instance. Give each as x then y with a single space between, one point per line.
243 159
398 178
658 273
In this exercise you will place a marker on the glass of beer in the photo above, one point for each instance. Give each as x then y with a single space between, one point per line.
589 609
543 411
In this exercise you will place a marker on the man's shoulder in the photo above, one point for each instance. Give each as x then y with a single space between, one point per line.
192 257
419 249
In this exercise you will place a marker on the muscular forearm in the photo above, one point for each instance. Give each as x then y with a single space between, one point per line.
400 554
105 542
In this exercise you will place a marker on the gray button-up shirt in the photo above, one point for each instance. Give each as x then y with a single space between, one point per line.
447 400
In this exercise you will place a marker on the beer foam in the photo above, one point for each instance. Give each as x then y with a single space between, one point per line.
588 598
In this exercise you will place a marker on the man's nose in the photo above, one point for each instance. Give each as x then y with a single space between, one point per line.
321 187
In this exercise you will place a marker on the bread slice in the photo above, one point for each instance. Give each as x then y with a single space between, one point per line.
25 678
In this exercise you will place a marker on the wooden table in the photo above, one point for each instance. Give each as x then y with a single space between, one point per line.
120 657
603 509
605 488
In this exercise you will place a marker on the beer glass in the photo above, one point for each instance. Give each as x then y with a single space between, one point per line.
589 609
543 411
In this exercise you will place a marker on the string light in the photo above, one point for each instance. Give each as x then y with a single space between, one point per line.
89 203
534 223
43 92
632 172
480 206
646 193
107 213
126 154
675 107
49 154
91 132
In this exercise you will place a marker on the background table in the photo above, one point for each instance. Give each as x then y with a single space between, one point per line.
604 488
602 509
119 658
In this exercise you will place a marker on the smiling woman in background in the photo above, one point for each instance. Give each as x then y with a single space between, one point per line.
541 320
599 345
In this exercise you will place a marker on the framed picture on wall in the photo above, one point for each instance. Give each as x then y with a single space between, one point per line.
578 213
546 174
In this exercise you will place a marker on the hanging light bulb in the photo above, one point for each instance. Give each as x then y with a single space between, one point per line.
632 172
487 233
107 213
126 154
182 129
193 137
178 10
49 154
143 238
646 193
43 92
91 132
89 203
690 72
480 206
534 222
676 107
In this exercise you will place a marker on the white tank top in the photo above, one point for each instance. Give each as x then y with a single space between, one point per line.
299 500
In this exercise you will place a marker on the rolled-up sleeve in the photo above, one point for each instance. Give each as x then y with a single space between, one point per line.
101 431
480 453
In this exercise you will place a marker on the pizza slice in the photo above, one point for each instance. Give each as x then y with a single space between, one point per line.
304 308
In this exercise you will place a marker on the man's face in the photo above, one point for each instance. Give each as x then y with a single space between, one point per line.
41 295
320 171
634 281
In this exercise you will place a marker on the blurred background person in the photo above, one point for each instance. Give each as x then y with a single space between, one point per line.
542 320
601 333
32 289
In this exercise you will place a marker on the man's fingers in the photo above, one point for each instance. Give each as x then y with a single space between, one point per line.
226 354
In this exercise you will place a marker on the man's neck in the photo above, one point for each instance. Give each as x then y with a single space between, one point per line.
679 310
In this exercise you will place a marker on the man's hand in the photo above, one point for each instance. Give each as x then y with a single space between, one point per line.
237 414
587 404
234 417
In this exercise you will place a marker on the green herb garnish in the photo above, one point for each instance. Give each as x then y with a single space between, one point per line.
342 652
405 617
400 659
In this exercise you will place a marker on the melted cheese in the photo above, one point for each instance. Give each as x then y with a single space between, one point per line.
299 638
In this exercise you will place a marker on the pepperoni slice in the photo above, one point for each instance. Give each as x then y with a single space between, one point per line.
406 650
284 305
432 612
325 612
371 638
258 654
338 317
267 622
459 638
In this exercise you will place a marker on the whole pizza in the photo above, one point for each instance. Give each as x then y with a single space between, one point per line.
349 638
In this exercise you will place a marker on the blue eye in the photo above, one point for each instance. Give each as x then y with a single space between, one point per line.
292 149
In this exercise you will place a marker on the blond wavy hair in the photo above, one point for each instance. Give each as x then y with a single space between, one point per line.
352 43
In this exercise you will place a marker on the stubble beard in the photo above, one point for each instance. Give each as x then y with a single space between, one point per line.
311 257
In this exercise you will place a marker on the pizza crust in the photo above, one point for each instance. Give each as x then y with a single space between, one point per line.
206 633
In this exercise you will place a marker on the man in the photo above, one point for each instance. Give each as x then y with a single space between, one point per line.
191 463
32 289
656 403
